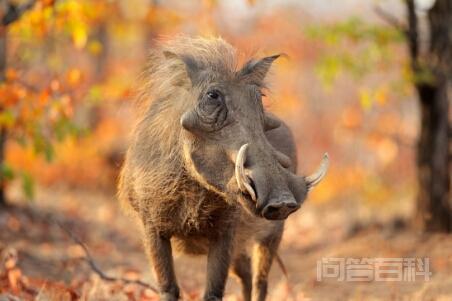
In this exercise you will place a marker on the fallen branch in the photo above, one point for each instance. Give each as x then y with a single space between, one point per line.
92 264
282 266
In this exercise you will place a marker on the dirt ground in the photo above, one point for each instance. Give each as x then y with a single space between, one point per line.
40 261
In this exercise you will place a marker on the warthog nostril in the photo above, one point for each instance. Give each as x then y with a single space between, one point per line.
291 205
271 211
280 210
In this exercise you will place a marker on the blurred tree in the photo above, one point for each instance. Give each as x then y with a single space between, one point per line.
36 89
431 74
434 148
10 13
432 79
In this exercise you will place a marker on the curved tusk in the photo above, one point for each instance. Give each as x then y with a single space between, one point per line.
240 176
317 176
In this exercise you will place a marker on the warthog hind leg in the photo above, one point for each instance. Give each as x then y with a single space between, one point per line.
241 267
263 253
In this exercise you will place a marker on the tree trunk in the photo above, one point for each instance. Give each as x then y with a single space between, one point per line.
434 210
3 131
434 150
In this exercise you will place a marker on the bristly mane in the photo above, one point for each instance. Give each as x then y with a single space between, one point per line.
163 76
154 163
166 90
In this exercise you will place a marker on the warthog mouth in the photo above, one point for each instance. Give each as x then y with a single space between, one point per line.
248 203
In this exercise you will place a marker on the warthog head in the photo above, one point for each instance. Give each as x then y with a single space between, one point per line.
224 143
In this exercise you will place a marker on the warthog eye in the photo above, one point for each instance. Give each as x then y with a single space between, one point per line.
213 94
212 110
213 102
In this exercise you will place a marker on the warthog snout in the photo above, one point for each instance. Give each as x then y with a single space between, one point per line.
275 191
280 208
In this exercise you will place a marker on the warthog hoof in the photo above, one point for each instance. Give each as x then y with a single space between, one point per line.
168 297
212 298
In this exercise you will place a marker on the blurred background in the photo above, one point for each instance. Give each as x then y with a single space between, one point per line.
367 81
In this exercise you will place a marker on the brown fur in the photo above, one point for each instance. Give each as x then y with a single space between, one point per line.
177 206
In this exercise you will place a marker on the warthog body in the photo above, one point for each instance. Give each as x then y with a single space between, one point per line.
208 171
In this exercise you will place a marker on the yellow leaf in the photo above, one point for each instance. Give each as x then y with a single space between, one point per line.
74 76
79 36
381 95
365 99
95 47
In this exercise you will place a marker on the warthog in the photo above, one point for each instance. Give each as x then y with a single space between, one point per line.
209 171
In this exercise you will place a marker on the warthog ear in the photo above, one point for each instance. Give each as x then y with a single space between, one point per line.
191 66
256 70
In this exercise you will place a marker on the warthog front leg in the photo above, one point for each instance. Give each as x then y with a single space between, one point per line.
158 248
218 261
